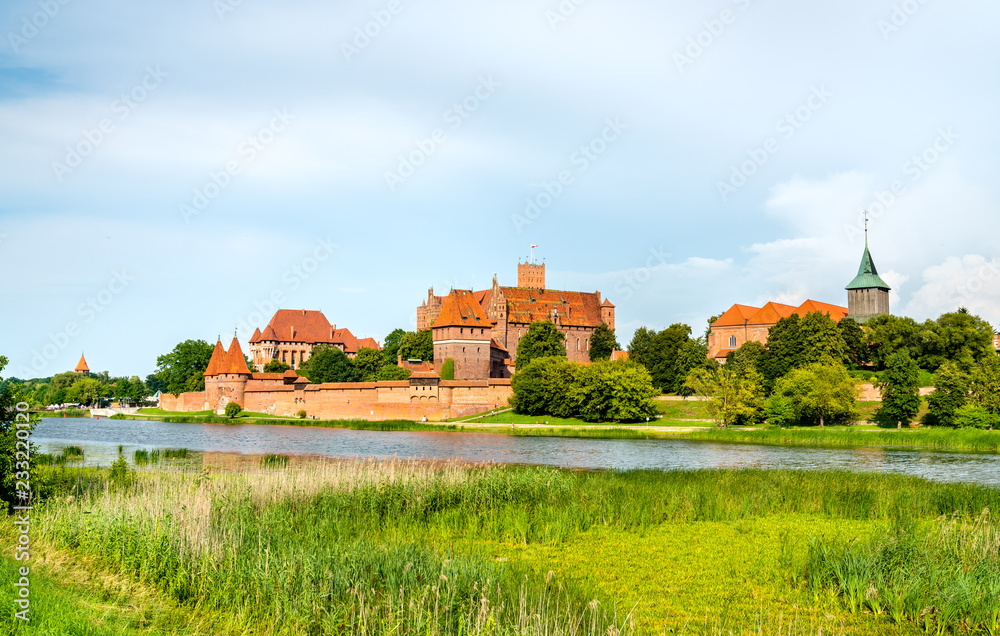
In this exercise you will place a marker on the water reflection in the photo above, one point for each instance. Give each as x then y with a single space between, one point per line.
100 440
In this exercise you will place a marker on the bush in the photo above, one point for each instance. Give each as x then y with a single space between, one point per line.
971 416
120 474
233 409
448 369
780 410
301 414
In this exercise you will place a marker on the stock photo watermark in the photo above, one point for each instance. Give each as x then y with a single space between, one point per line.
32 25
634 279
563 12
454 117
87 311
365 34
786 127
247 152
914 169
713 29
291 280
92 138
580 161
899 17
975 283
22 511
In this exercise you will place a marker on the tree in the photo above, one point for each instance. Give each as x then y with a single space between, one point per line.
86 391
640 349
821 392
734 396
620 391
276 366
854 341
958 337
183 368
951 392
543 386
390 349
542 340
369 362
975 416
669 355
602 343
327 363
448 369
985 384
885 335
233 409
393 372
154 384
417 345
15 426
900 387
749 356
59 384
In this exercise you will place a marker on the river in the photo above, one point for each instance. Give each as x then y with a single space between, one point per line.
100 440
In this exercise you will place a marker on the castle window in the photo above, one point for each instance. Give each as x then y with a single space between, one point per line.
732 342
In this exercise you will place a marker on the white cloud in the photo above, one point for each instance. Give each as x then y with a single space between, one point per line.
971 281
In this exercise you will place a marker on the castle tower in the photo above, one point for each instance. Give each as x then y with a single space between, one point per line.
231 377
867 294
463 332
81 366
531 275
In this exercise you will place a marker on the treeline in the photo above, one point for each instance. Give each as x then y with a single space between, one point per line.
808 372
87 389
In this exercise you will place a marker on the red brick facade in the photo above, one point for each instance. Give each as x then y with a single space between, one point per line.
743 323
292 333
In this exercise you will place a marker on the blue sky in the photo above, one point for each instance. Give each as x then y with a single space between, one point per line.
170 169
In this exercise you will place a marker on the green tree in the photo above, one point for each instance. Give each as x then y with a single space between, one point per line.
886 335
669 355
183 368
154 383
750 356
951 392
369 362
233 409
327 363
58 385
390 348
958 337
602 343
448 369
542 340
86 391
543 386
900 388
12 421
795 342
276 366
620 391
733 395
640 349
854 341
822 391
417 345
985 384
975 416
392 372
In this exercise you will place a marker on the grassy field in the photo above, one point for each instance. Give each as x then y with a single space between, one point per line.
930 438
419 548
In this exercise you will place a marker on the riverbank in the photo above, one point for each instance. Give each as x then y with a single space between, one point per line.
368 547
509 423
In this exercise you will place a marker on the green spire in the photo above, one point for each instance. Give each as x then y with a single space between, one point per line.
867 274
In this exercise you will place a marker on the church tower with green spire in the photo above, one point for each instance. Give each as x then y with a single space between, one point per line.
867 294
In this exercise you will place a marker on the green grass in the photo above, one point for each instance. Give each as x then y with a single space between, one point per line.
930 438
683 409
409 548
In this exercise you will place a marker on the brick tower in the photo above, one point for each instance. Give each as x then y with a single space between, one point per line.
867 294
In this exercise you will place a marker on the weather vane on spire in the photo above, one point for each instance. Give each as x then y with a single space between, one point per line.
533 253
866 227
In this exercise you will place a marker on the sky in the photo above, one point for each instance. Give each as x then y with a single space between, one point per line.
175 171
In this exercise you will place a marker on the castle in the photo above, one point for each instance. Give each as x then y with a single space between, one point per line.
292 333
867 296
424 395
480 331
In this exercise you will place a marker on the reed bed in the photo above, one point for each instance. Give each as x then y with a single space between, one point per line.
943 576
931 438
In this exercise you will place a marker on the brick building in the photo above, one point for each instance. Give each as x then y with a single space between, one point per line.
867 296
292 333
463 332
511 310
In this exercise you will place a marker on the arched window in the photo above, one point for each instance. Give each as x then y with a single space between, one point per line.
732 342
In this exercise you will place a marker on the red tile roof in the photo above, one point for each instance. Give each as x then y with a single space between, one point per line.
576 309
462 309
619 355
311 327
836 312
736 315
268 335
234 362
496 345
81 366
216 360
771 313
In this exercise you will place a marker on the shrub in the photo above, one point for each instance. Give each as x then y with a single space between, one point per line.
233 409
971 416
448 369
120 474
301 414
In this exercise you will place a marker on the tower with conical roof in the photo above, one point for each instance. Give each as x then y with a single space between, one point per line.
81 366
867 294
